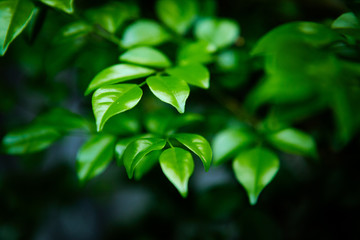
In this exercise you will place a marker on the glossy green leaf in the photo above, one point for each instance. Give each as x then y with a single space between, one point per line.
144 32
94 156
64 5
198 145
148 162
112 15
111 100
31 139
62 119
255 169
195 52
116 74
219 32
177 14
146 56
178 165
137 150
171 90
293 141
14 16
194 74
227 143
120 147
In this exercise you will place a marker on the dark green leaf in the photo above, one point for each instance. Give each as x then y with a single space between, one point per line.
177 14
147 164
123 124
158 121
197 144
111 100
194 74
227 143
255 169
144 32
31 139
94 156
218 32
293 141
14 16
64 5
171 90
146 56
116 74
137 150
72 31
177 164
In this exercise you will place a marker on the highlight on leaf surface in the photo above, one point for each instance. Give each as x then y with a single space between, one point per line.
193 74
146 56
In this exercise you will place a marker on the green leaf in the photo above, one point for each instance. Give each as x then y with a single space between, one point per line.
31 139
62 119
177 14
144 32
137 150
346 20
120 147
158 121
146 56
64 5
112 15
293 141
255 169
72 31
14 16
171 90
229 142
94 156
177 164
195 52
123 124
111 100
219 32
147 164
184 120
194 74
197 144
116 74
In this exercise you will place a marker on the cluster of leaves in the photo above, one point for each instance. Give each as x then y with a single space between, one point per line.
308 68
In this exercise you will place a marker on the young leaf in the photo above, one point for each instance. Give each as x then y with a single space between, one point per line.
193 74
177 14
31 139
138 149
146 56
177 164
111 100
15 15
198 145
94 156
228 142
64 5
147 164
171 90
255 169
293 141
116 74
218 32
144 32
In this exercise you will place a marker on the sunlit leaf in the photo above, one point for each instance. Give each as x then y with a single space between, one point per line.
227 143
137 150
14 16
144 32
116 74
94 156
171 90
177 14
255 169
31 139
219 32
194 74
146 56
63 5
197 144
177 164
111 100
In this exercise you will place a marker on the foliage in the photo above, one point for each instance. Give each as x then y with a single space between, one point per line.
296 71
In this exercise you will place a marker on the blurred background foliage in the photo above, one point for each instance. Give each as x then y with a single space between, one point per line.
50 65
